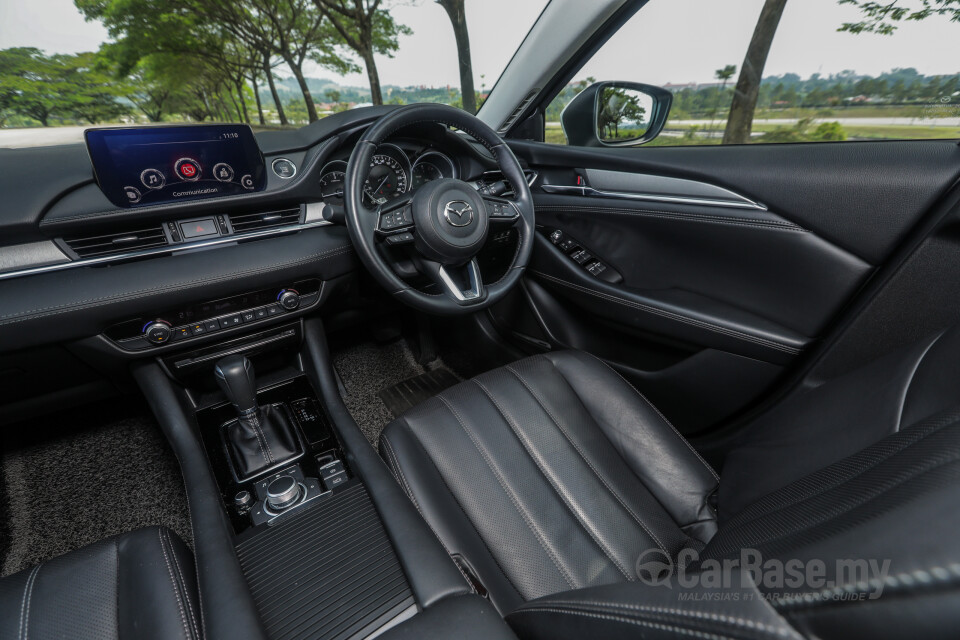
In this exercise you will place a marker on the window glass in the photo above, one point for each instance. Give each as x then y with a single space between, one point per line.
835 70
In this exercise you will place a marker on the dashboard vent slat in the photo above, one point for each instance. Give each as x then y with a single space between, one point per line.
116 243
245 222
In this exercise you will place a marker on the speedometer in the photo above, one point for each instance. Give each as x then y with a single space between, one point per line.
387 179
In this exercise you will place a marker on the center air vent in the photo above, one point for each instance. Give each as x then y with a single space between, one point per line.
245 222
116 243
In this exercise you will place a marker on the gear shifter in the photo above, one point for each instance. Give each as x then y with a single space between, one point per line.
262 436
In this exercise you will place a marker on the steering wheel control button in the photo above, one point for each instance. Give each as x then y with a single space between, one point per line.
158 332
289 299
283 492
223 172
153 179
187 169
132 193
284 168
400 238
246 182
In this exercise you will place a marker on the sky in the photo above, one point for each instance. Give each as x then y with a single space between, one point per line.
674 41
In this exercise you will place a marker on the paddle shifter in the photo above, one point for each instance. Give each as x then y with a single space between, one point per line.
262 437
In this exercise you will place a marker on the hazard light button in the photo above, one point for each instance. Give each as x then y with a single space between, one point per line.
199 228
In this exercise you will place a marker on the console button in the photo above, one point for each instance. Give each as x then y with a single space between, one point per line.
274 309
211 325
248 316
284 168
153 179
283 492
230 321
199 228
260 313
223 172
187 169
183 332
331 469
335 480
289 299
198 329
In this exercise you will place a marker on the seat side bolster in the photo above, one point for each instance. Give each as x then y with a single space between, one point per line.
665 611
426 488
661 458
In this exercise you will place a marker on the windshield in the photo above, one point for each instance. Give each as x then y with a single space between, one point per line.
68 65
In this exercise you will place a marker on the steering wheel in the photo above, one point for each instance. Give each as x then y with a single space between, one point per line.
446 221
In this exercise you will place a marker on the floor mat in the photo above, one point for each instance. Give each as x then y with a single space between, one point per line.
365 369
412 391
76 478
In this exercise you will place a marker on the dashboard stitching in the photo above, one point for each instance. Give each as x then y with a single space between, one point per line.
675 316
35 313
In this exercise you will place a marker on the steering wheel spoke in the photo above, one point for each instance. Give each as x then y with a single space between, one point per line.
463 283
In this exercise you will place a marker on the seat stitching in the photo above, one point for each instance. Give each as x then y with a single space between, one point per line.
462 510
662 417
583 455
513 499
702 324
196 565
261 439
182 582
173 584
736 621
563 498
660 626
24 606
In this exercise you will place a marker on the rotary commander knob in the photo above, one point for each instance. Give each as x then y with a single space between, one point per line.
289 299
283 492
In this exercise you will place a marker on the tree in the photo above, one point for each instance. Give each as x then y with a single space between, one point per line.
33 84
744 104
881 17
458 18
618 107
368 29
724 76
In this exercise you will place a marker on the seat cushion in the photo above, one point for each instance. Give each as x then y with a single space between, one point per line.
136 585
550 474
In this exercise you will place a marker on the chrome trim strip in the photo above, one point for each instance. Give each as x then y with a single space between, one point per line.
746 203
476 286
143 253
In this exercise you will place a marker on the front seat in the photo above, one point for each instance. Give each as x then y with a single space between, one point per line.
138 585
551 477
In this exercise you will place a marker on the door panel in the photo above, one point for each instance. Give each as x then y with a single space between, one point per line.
708 290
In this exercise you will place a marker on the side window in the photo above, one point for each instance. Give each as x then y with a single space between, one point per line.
768 71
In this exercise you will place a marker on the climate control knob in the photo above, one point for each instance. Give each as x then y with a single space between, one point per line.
158 332
282 492
289 299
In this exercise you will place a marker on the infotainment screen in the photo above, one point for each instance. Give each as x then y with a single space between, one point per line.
141 166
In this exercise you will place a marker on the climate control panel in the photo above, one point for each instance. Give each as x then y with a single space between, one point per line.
253 308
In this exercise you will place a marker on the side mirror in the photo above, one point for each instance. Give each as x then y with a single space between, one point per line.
616 114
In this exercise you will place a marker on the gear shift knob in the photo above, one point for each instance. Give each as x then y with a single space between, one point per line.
236 379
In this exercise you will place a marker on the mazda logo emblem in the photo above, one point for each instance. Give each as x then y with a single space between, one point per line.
458 213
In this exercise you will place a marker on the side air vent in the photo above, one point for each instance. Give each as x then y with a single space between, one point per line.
245 222
512 120
116 243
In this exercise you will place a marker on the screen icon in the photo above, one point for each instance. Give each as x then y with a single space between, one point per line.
246 182
223 172
187 169
153 179
132 193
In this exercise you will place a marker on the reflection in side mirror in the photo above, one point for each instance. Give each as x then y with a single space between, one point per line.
615 114
623 115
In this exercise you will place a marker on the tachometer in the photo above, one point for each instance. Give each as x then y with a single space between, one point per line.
387 179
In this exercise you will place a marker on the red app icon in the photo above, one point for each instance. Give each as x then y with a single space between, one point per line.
188 170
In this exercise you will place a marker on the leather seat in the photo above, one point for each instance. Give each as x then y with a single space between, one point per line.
138 585
549 478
